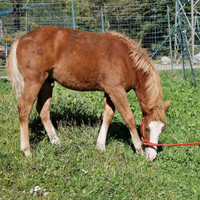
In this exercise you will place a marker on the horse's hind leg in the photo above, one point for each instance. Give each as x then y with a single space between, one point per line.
108 113
43 108
25 105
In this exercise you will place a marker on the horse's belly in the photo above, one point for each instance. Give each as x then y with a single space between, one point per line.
80 83
81 86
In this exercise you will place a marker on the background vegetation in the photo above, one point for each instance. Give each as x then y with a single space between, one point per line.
76 170
142 20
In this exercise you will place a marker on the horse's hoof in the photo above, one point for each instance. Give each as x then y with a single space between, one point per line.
27 153
101 147
55 141
140 152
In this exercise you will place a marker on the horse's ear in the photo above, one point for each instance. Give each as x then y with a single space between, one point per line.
145 108
167 105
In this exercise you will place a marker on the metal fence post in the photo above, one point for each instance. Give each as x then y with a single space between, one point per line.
192 31
170 42
102 23
73 17
154 10
182 38
1 41
6 52
164 41
181 44
26 23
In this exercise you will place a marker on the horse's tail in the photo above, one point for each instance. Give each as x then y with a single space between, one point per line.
15 77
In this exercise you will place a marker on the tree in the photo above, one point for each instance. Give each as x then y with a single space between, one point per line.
16 15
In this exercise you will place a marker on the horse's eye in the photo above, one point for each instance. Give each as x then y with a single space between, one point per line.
147 129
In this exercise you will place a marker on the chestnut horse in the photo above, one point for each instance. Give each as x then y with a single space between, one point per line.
85 61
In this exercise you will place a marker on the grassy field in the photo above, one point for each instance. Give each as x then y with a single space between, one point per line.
76 170
3 72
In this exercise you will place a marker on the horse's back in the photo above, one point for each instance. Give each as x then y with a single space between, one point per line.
77 59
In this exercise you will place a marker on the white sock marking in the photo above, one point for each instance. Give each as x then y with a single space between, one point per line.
101 141
54 140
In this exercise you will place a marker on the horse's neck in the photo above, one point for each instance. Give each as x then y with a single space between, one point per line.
140 95
140 87
140 91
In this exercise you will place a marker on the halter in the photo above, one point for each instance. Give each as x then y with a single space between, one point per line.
148 143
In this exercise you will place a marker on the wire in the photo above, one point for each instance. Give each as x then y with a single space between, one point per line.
26 4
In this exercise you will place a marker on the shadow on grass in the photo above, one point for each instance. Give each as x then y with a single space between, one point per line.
117 130
77 116
70 117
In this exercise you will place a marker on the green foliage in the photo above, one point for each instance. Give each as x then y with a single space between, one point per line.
143 21
76 170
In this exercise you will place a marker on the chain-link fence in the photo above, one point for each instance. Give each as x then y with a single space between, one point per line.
147 22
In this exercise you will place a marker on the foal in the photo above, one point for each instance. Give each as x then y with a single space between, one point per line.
85 61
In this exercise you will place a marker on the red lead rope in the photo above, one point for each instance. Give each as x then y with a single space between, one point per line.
148 143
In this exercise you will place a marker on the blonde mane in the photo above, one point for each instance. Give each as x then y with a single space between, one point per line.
153 89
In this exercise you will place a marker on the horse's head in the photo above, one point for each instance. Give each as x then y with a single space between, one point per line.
153 125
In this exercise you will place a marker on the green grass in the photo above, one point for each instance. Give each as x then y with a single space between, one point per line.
3 72
76 170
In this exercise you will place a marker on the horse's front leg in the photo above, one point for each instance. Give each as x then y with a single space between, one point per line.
120 101
108 113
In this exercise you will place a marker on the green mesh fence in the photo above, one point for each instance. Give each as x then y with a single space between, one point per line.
144 21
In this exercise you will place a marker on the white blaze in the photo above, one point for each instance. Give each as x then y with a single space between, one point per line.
155 131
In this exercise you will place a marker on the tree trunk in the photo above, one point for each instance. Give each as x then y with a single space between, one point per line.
16 15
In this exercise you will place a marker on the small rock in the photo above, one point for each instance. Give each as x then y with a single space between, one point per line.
165 60
196 58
